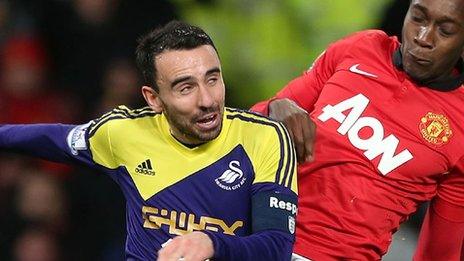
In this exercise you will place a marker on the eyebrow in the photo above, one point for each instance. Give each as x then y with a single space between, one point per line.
420 7
213 70
179 80
445 19
186 78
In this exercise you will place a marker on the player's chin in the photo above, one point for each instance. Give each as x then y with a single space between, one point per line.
417 74
209 134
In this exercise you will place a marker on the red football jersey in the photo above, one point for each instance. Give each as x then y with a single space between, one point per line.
384 144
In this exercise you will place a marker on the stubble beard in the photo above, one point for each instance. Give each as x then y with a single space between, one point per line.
186 127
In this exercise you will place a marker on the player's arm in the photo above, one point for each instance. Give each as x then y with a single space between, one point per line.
295 101
47 141
302 91
305 89
86 144
292 104
274 203
442 232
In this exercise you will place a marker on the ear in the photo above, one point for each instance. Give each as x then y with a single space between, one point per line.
152 98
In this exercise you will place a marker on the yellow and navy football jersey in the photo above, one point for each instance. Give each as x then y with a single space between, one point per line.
239 184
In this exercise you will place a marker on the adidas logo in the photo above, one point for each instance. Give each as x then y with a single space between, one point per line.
145 168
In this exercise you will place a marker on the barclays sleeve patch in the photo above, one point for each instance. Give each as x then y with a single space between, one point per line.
76 138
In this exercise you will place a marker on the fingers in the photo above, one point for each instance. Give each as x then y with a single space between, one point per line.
301 128
171 252
309 134
195 246
295 128
302 131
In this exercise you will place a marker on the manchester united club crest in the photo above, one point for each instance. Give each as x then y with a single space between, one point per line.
435 128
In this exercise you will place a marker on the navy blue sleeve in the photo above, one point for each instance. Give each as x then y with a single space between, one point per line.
267 245
274 210
47 141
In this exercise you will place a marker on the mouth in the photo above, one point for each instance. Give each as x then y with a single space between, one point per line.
208 122
419 60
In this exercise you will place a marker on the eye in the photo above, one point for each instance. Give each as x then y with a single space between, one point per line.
446 31
186 88
212 80
417 19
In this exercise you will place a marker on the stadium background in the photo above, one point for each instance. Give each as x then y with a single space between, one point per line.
70 60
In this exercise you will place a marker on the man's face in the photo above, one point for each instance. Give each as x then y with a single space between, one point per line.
433 38
191 91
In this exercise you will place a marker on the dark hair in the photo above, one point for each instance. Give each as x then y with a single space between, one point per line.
175 35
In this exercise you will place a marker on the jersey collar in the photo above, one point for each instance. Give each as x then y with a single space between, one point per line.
448 84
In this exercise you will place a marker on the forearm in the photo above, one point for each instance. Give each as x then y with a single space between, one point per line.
300 90
265 245
47 141
287 92
440 238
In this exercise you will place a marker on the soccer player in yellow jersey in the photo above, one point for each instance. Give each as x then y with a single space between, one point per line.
202 181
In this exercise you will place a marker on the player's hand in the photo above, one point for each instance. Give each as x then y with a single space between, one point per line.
195 246
300 126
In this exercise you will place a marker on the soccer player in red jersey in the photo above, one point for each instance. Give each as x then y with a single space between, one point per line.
387 119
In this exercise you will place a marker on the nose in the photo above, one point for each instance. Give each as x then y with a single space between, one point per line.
205 99
424 37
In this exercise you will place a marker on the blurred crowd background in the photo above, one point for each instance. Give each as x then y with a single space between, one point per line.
71 60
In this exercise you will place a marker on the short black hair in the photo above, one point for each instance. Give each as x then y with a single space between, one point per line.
175 35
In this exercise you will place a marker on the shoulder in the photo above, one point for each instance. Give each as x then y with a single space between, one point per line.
370 44
254 127
366 35
363 39
250 120
121 117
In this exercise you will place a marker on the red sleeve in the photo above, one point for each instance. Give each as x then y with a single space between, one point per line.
442 233
440 239
305 89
